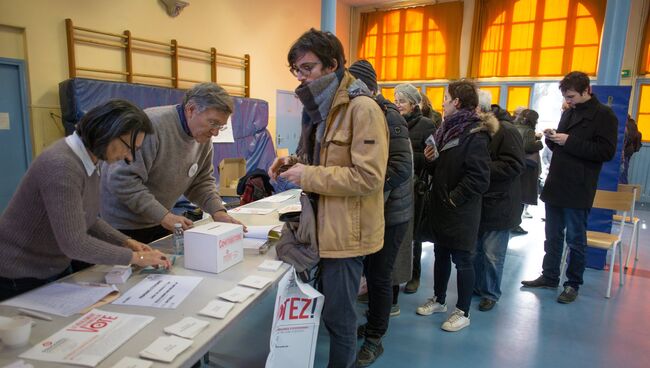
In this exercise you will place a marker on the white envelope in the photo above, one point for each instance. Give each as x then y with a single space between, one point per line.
237 294
188 327
257 282
217 309
166 348
270 265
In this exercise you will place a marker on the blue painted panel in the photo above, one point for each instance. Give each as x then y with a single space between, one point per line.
618 98
639 172
15 138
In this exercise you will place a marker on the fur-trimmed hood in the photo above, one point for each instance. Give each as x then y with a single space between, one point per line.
489 123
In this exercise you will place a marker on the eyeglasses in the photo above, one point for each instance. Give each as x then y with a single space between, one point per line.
304 69
126 144
219 127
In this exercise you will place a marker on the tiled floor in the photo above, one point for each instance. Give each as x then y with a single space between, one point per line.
527 328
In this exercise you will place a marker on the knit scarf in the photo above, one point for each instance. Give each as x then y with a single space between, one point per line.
316 97
453 126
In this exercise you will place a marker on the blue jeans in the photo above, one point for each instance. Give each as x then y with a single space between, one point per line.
574 220
339 281
490 256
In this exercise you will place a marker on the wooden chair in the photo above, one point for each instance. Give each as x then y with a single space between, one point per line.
631 220
617 201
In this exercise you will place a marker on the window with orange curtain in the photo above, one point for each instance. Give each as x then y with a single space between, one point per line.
517 96
533 38
436 95
644 63
495 91
643 114
417 43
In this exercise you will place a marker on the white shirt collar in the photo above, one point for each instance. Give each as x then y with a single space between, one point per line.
77 146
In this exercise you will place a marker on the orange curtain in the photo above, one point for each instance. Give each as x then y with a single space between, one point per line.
419 43
644 63
536 38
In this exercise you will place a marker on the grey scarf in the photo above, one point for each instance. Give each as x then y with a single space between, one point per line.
316 97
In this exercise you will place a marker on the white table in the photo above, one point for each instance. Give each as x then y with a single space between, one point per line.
207 290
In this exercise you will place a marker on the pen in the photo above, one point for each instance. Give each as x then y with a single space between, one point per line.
34 314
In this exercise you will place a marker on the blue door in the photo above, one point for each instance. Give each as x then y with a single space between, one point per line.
15 139
288 117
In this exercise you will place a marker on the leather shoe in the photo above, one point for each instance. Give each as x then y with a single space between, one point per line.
412 286
540 282
518 231
569 295
486 304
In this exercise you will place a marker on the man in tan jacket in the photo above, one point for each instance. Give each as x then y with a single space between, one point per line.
341 160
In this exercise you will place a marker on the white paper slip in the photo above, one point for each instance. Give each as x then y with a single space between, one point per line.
278 198
290 208
88 340
270 265
128 362
166 348
61 298
252 243
160 291
251 210
188 327
237 294
217 309
262 231
256 282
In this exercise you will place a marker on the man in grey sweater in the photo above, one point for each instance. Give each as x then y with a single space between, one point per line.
175 160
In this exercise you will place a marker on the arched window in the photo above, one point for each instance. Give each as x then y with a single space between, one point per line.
535 38
419 43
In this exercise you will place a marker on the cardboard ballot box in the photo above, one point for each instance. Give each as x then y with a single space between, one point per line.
230 170
214 247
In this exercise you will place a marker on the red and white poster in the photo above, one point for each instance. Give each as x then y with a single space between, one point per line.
88 340
296 320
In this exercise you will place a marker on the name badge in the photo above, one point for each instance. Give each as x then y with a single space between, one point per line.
193 169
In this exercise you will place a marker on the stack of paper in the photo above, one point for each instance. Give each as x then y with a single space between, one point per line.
256 236
237 294
166 348
188 327
270 265
217 309
256 282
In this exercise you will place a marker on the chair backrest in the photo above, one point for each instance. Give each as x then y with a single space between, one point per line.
618 201
632 188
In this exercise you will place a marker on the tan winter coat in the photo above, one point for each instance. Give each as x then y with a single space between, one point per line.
350 178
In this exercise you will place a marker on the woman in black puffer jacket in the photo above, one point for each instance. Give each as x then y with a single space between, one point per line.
420 127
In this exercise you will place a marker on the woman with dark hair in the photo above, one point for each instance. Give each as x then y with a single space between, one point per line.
525 124
407 99
461 175
53 216
429 111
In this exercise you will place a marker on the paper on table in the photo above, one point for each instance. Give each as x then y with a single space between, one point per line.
278 198
88 340
188 327
251 210
160 291
290 208
261 231
128 362
19 364
217 309
270 265
237 294
166 348
61 298
252 243
256 282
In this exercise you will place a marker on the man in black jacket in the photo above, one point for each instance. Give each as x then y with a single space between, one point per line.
586 137
398 195
501 207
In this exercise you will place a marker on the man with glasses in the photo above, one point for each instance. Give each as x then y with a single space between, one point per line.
341 162
177 159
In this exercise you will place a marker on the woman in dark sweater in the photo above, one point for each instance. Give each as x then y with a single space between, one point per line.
461 175
53 216
420 127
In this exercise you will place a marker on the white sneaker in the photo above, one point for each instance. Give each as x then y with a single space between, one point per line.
456 321
430 307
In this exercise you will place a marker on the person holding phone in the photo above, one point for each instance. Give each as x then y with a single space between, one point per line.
585 138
